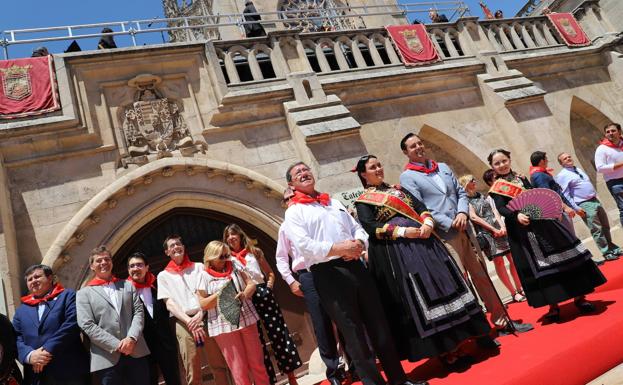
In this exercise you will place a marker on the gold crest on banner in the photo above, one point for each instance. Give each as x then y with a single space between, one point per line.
413 41
16 82
565 23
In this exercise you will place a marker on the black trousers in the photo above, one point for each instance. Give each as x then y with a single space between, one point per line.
349 295
129 370
323 327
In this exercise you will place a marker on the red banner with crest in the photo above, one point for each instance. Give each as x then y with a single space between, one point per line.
414 44
568 27
28 87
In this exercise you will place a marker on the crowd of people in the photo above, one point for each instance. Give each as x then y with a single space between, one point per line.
401 280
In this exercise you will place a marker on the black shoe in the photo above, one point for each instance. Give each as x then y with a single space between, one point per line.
584 306
415 383
610 257
487 342
553 315
518 327
334 381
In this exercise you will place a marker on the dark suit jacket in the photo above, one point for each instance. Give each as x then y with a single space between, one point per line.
58 333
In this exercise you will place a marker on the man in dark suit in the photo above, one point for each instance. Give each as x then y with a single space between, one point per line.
48 336
110 313
157 331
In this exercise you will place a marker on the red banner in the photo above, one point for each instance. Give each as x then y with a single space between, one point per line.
28 87
568 27
413 43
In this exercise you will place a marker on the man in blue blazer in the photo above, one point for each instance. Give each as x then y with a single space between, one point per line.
48 336
436 186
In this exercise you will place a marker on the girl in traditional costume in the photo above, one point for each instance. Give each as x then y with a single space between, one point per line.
429 306
552 263
276 332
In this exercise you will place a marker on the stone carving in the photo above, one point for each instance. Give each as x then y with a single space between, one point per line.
317 15
153 124
174 9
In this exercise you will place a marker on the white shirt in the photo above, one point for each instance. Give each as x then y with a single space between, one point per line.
181 288
314 228
252 268
111 291
148 300
282 256
605 158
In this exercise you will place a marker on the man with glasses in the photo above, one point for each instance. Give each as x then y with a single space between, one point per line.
331 243
581 194
157 331
111 314
178 284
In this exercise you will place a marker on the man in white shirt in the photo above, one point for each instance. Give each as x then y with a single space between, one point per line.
157 331
177 286
301 284
609 162
331 243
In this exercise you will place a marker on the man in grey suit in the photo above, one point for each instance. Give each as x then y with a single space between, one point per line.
110 312
436 186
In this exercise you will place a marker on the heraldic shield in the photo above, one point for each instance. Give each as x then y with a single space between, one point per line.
16 82
153 124
565 23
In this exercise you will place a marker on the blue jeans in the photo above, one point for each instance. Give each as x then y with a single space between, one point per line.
616 189
129 370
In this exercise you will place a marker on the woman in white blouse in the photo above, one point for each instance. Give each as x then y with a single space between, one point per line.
239 343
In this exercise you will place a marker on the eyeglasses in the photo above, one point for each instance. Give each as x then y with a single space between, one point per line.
224 257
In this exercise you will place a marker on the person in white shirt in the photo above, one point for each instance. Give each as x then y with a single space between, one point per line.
331 243
609 162
178 284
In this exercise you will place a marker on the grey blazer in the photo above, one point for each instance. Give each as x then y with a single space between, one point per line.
105 328
444 204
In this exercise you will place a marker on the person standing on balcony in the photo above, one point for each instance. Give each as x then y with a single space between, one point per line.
254 29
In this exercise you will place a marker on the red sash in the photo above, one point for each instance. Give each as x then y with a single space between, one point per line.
173 267
34 301
305 199
608 143
506 188
380 198
240 255
534 169
229 268
99 282
149 281
427 170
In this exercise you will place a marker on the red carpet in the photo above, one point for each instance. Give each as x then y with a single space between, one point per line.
574 351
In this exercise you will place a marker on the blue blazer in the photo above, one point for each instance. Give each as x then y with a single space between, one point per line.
444 203
58 333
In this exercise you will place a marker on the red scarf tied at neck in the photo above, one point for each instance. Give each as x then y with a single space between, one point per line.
173 267
534 169
305 199
149 281
240 255
608 143
34 301
229 268
99 282
427 170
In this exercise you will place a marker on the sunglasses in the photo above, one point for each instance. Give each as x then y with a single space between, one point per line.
224 257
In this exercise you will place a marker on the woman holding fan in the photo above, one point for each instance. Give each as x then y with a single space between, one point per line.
231 318
552 263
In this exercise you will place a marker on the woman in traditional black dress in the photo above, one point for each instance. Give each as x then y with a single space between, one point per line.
428 304
552 263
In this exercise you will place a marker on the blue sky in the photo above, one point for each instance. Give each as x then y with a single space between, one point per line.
23 14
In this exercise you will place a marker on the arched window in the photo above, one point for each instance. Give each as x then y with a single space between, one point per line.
242 67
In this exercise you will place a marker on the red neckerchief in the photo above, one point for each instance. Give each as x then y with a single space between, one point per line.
99 282
534 169
305 199
608 143
240 255
229 268
34 301
173 267
149 281
427 170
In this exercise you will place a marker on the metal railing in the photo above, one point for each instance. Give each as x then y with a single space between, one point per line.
213 22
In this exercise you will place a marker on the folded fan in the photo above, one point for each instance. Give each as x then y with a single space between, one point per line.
538 203
228 305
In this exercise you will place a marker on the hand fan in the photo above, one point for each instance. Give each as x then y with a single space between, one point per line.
228 305
538 203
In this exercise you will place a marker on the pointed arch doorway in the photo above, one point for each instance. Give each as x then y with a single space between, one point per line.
197 227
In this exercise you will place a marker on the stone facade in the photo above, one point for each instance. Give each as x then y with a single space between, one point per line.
221 120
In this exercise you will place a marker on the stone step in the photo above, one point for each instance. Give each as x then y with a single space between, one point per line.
332 100
319 114
510 84
331 129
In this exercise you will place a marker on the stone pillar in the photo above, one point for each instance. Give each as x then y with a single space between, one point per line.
254 66
538 35
230 67
12 276
526 36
